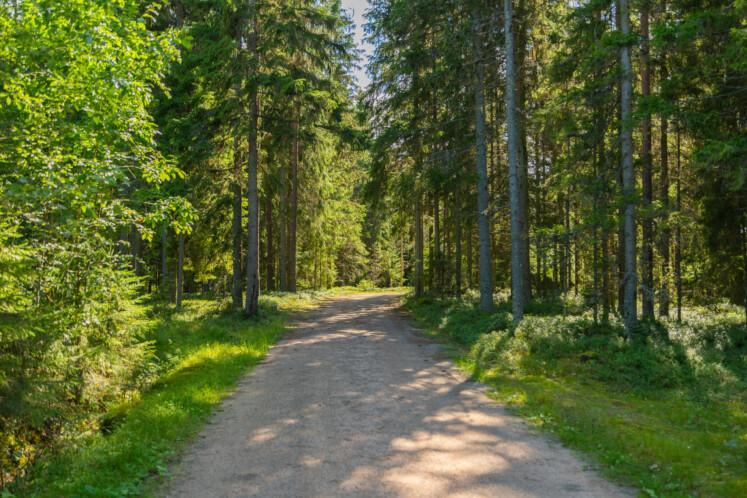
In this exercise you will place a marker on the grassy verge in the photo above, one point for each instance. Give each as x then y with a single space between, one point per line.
671 422
207 350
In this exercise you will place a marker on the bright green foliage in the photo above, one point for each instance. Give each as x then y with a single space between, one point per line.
76 138
331 249
304 53
127 135
123 138
202 351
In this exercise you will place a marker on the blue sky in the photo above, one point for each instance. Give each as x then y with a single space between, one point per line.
358 8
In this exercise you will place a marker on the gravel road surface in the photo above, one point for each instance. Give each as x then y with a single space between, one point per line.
355 402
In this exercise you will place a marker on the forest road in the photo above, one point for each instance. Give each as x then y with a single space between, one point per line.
355 402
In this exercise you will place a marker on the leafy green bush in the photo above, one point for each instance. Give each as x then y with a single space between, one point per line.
75 351
80 137
640 405
465 324
576 345
704 354
366 285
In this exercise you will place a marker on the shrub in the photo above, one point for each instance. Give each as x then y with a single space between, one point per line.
466 325
366 285
705 353
71 350
575 345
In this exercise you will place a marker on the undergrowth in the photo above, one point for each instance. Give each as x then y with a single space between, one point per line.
200 353
664 410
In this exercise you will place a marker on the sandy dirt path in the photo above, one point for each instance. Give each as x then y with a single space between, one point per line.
354 402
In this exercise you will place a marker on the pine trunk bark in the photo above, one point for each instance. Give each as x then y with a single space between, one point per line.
458 241
621 254
678 233
538 162
270 235
630 313
437 246
483 221
665 231
429 244
595 237
605 235
519 25
419 291
236 229
180 271
164 260
518 257
293 228
470 282
744 269
136 251
283 229
647 249
251 307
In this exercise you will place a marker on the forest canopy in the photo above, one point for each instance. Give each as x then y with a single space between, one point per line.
584 157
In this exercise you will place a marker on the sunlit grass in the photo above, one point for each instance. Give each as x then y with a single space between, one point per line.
688 440
208 349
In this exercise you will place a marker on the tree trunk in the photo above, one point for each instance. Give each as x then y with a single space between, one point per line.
236 229
519 26
418 243
621 254
402 261
483 222
136 248
595 234
429 244
251 307
538 167
458 241
447 269
678 233
595 264
564 274
436 270
283 229
180 271
647 249
605 276
630 313
605 234
470 282
555 262
576 265
164 259
744 267
292 232
270 254
518 218
664 195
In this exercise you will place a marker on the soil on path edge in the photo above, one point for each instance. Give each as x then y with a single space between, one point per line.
353 402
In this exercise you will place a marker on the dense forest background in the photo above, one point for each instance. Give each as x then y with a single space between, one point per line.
587 157
435 60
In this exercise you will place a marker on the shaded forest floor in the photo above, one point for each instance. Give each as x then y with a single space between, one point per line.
667 414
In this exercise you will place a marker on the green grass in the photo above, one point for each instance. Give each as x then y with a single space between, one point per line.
206 350
674 430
